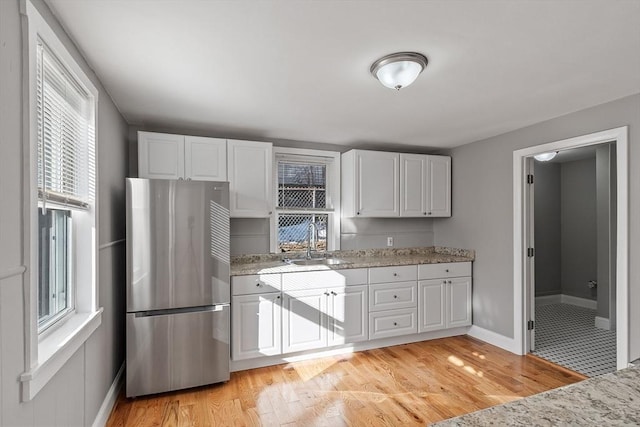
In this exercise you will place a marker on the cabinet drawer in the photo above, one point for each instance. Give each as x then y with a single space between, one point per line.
388 296
255 284
392 323
450 269
323 279
403 273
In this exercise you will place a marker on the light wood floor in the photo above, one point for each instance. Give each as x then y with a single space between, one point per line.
412 384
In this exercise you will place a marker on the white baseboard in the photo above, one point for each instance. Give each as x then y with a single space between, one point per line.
603 323
566 299
110 399
548 299
494 338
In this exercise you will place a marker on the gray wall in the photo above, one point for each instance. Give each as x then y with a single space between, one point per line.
547 228
578 228
75 393
483 208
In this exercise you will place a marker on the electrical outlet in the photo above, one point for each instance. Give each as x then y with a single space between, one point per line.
389 241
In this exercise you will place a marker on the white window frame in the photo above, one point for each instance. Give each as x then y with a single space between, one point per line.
332 160
47 352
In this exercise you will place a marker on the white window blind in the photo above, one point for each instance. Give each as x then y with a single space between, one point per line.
66 135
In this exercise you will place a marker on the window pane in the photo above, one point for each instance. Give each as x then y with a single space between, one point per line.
54 254
302 185
293 231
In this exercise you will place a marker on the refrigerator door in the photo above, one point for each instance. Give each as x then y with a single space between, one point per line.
174 351
177 244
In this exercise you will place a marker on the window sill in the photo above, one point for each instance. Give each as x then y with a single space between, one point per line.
56 349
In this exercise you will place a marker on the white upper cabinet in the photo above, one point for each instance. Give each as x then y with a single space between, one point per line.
168 156
382 184
160 155
205 158
370 183
413 185
439 186
250 178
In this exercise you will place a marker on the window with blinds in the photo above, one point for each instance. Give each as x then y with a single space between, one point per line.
66 135
66 180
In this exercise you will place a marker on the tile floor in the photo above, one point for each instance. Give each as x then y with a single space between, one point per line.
566 335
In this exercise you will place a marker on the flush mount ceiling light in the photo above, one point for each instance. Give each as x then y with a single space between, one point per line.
545 157
399 70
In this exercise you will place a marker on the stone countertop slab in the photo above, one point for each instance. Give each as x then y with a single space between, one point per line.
608 400
274 263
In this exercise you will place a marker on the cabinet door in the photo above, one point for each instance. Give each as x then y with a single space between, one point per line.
205 158
377 184
431 305
348 320
304 320
439 186
413 185
250 181
160 155
459 302
256 326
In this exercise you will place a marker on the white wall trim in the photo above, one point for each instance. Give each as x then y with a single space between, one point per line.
548 299
10 272
111 244
580 302
110 399
566 299
602 323
493 338
520 297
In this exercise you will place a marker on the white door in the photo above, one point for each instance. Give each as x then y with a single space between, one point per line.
348 321
458 302
377 184
304 320
431 305
160 155
250 181
256 326
413 181
439 186
205 158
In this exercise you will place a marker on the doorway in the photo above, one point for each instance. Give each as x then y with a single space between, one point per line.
573 224
524 243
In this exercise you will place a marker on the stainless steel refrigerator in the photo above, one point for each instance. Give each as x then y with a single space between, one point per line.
177 284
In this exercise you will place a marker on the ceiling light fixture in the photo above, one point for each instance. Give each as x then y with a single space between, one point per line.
399 70
545 157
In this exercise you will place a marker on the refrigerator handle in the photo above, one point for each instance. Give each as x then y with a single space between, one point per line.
149 313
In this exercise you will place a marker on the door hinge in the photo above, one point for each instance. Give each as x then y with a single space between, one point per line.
529 179
531 325
529 252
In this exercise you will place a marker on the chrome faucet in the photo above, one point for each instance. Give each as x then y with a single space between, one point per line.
312 234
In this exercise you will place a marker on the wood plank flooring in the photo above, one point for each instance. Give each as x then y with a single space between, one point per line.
412 384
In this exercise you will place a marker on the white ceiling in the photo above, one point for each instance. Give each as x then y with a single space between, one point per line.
299 70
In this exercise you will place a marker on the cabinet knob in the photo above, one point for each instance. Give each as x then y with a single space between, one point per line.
357 213
278 297
395 274
188 179
449 282
429 213
258 284
444 282
326 293
447 270
395 323
180 179
270 212
395 296
425 213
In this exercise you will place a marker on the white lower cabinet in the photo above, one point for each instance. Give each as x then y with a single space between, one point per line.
348 315
392 323
458 302
432 295
256 325
319 318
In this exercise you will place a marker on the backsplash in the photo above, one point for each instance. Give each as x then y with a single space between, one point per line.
251 235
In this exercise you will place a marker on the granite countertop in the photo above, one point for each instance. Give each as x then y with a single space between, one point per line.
274 263
608 400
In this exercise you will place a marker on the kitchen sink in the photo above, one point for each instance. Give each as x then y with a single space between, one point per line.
318 261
